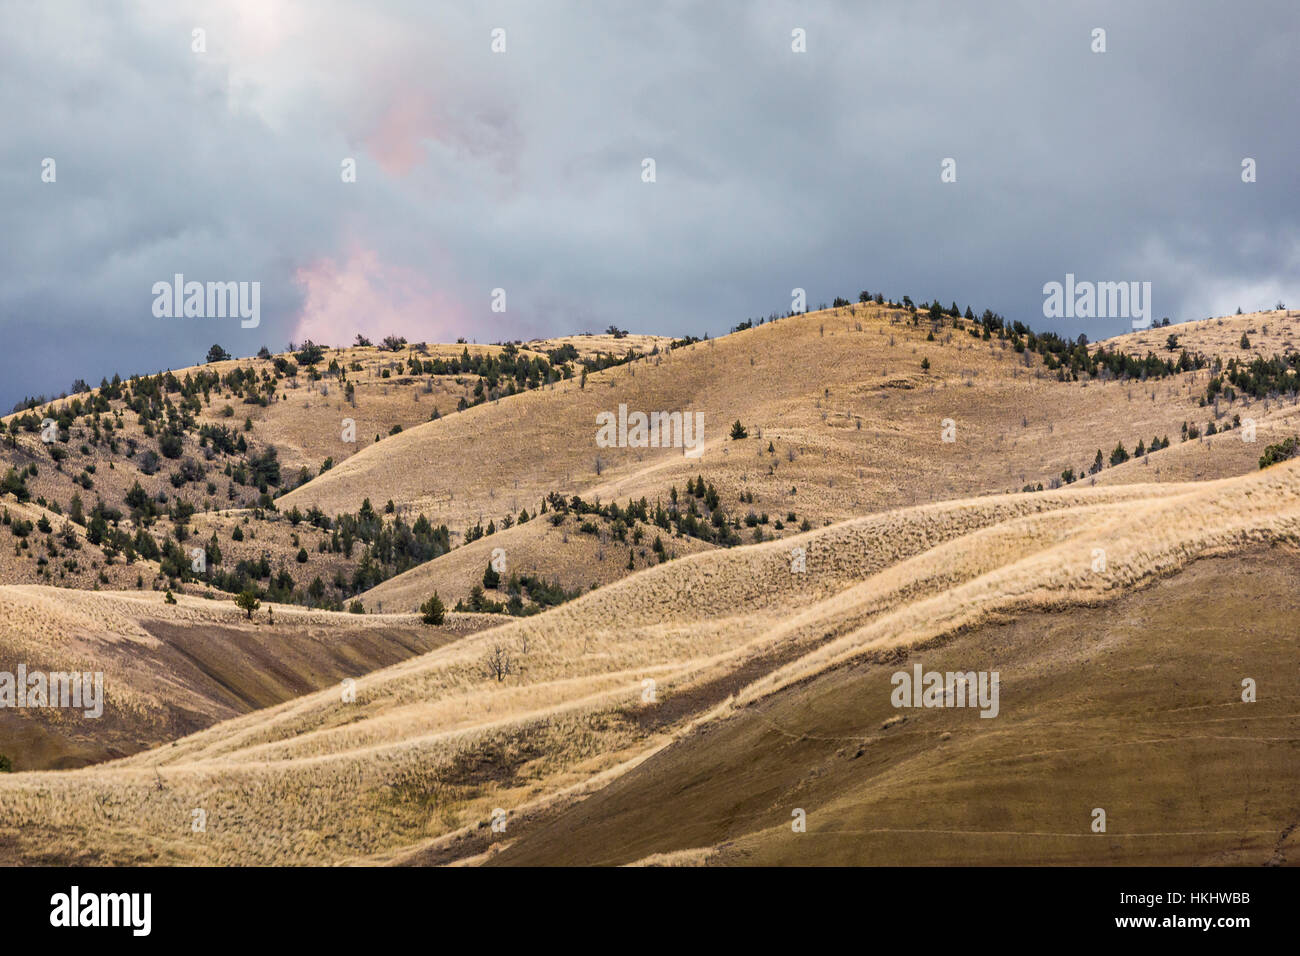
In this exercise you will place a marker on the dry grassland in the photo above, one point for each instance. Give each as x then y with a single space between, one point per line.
433 744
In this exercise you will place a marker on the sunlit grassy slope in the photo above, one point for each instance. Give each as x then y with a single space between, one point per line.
414 768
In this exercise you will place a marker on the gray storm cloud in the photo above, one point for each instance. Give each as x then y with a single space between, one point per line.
521 170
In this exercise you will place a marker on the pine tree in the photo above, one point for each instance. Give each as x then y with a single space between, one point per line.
432 610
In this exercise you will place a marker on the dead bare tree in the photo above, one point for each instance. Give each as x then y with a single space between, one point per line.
498 662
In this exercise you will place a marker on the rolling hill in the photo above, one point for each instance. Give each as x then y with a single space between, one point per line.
432 746
900 489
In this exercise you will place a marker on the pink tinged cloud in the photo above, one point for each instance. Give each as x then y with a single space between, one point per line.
399 135
396 139
372 297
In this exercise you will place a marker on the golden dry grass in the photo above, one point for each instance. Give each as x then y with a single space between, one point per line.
578 561
853 420
1134 706
913 539
433 744
1269 333
170 669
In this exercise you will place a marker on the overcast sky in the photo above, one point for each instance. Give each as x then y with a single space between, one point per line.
522 170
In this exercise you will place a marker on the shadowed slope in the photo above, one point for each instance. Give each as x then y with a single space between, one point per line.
169 670
1133 707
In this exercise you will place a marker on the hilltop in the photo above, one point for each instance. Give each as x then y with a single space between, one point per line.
316 476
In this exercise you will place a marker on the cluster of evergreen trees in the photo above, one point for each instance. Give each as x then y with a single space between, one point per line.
387 548
509 365
1260 378
1069 358
698 513
1118 456
540 593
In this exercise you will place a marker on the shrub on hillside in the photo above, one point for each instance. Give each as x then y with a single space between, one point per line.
310 353
170 445
15 484
247 601
1279 452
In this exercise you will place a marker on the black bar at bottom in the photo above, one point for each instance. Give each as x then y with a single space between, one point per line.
655 906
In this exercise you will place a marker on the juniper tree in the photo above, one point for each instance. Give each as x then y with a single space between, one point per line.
432 610
247 601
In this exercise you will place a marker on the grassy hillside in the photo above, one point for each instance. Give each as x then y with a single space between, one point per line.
1134 707
171 669
433 745
842 421
899 483
261 462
